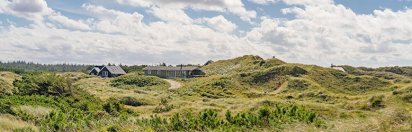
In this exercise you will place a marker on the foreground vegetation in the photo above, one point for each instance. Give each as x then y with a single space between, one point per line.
242 94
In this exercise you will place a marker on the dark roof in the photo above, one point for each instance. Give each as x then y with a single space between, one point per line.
115 69
97 69
171 68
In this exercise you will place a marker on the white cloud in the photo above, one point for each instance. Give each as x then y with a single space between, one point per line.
309 2
219 23
321 32
113 21
264 2
233 6
123 38
171 15
329 33
68 23
33 10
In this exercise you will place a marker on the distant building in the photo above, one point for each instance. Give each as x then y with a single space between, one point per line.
107 71
340 68
173 72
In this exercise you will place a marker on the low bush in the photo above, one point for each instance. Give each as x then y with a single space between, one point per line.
263 76
164 106
44 84
132 101
269 117
404 94
79 111
138 81
297 84
112 107
222 83
376 102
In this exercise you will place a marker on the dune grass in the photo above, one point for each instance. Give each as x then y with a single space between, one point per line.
357 100
9 123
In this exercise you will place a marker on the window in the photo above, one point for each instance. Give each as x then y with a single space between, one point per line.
105 73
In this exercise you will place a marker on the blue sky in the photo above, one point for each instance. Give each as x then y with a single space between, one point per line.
356 32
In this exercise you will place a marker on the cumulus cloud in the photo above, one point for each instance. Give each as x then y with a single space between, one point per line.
68 23
121 37
113 21
233 6
333 33
174 15
264 2
219 23
33 10
309 2
320 32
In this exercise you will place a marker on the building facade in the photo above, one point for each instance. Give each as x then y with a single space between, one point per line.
107 71
173 72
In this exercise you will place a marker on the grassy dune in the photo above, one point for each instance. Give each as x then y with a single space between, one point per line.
251 88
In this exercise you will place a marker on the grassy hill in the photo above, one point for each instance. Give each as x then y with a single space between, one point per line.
247 93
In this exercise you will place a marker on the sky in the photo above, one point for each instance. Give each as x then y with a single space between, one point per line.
368 33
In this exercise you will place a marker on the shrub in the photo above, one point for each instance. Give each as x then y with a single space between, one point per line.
138 81
44 84
24 129
404 94
376 101
6 107
273 116
79 111
221 83
113 107
132 101
277 72
298 84
164 106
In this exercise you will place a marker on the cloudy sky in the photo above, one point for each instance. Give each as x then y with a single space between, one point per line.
356 32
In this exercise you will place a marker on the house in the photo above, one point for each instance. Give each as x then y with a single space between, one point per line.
340 68
173 72
95 70
107 71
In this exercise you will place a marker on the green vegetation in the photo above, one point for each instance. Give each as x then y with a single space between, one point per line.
137 80
164 106
242 94
266 118
24 67
44 84
134 68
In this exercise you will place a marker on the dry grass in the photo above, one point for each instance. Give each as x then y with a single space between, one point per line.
9 123
9 76
36 111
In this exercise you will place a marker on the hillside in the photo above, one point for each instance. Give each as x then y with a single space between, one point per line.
247 93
